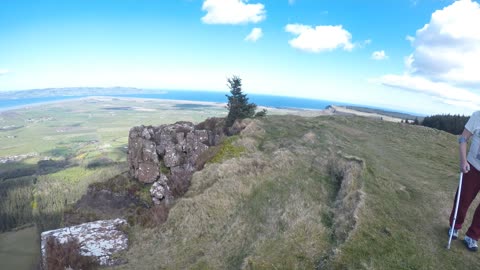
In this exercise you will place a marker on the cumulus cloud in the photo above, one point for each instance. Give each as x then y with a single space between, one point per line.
448 48
232 12
255 35
3 71
446 56
321 38
379 55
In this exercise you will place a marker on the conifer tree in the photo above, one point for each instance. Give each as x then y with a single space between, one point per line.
238 105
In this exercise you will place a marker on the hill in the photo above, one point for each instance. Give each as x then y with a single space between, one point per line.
328 192
386 113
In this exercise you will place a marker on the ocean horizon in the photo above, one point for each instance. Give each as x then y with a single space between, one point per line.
283 102
203 96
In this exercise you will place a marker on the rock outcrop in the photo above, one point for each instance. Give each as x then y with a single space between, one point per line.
168 155
99 240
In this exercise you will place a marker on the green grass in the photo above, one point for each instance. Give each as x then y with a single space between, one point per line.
75 134
227 149
330 192
19 249
282 207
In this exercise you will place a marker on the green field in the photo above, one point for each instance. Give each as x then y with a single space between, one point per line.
19 249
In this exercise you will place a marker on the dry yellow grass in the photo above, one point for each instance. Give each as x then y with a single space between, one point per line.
263 210
330 192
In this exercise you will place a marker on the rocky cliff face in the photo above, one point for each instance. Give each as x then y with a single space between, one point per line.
168 155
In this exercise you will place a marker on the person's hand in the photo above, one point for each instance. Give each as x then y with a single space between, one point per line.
464 166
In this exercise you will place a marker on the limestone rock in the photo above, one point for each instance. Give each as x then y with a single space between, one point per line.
159 189
176 148
99 239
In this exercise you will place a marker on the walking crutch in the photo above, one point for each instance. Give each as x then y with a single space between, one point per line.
456 210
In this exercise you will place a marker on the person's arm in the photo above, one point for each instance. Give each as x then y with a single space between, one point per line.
464 166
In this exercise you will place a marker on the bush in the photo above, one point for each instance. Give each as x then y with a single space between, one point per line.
179 183
261 113
66 256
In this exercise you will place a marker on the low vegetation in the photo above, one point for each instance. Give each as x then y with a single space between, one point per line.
19 249
332 192
288 192
48 161
66 256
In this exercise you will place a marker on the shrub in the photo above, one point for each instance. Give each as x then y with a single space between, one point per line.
66 256
151 217
261 113
179 183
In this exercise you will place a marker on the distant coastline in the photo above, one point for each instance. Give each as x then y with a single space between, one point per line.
22 99
12 100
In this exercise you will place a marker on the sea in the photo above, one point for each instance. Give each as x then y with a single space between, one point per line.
206 96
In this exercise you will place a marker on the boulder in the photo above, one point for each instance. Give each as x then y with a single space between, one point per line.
100 240
159 190
169 152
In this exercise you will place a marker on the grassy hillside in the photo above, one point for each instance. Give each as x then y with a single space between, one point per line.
56 150
329 192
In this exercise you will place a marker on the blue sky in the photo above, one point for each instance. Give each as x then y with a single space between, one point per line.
420 56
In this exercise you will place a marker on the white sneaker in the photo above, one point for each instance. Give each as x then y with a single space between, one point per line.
470 243
453 232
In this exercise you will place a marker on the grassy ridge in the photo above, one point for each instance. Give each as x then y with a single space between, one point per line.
281 204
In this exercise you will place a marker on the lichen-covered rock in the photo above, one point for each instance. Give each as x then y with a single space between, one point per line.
99 239
159 190
176 148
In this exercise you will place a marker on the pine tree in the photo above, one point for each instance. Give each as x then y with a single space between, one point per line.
238 105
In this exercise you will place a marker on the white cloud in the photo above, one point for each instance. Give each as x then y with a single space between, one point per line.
321 38
232 12
441 90
448 47
379 55
446 57
3 71
255 35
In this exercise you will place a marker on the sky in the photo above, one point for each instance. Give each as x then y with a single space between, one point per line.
419 56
